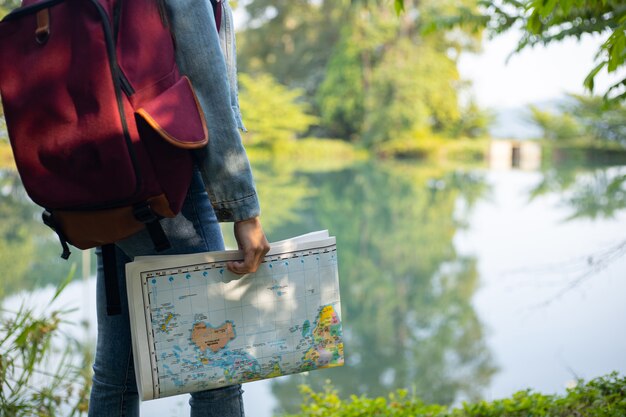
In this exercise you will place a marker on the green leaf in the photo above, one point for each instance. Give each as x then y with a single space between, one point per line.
617 46
64 283
546 9
399 5
534 23
589 80
566 5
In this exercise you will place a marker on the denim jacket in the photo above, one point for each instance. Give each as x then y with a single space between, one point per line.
208 59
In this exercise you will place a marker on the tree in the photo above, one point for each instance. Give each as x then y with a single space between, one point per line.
547 21
556 126
584 117
274 114
290 39
371 76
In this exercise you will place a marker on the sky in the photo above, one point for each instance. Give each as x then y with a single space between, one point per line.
507 84
533 75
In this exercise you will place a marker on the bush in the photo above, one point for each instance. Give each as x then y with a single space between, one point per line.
601 397
274 114
436 149
39 372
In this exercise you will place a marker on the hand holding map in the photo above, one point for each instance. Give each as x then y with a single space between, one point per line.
197 326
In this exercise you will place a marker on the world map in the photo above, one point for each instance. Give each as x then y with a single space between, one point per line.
211 328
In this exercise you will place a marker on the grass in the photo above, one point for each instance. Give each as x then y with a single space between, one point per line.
44 372
310 154
467 150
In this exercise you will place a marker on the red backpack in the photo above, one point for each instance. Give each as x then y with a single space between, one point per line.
99 118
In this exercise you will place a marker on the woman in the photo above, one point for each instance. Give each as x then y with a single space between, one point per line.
222 190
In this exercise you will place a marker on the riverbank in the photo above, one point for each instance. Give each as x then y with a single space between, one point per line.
309 154
335 154
436 148
587 152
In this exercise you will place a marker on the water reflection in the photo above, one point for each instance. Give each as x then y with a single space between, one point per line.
407 291
27 247
593 194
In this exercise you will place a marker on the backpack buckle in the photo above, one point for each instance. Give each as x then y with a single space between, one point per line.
49 221
143 213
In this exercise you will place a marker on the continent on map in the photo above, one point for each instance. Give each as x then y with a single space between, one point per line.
207 337
327 349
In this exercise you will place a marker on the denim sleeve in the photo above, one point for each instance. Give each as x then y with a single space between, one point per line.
224 164
229 48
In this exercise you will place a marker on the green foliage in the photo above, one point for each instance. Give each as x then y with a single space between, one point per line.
556 126
274 113
474 122
398 404
290 39
601 397
37 377
370 75
412 92
437 149
7 5
341 96
547 21
601 121
584 117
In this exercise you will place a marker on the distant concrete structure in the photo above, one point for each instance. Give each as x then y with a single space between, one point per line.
514 154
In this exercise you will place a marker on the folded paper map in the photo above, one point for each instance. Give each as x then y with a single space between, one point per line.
197 326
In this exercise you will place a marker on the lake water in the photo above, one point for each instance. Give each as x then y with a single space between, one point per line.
456 283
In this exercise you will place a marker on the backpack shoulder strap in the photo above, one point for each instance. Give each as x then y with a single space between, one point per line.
217 11
111 280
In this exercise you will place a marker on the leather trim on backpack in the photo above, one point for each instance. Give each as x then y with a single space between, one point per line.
105 226
177 117
42 33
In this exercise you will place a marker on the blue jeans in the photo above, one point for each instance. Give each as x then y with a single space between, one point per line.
114 391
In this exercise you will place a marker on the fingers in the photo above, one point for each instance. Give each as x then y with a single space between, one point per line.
252 259
252 241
